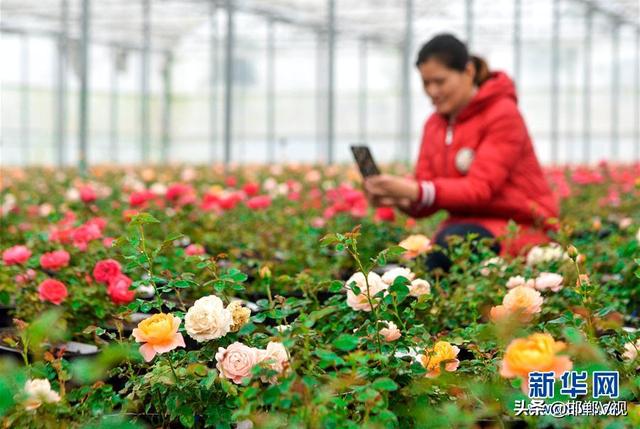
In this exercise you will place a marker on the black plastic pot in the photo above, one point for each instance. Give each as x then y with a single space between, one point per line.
6 315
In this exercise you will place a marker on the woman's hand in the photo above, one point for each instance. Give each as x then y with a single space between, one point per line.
387 188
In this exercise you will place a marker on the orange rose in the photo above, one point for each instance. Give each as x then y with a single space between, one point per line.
416 245
521 301
160 335
537 352
441 352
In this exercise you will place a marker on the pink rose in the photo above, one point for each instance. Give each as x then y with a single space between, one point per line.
259 202
26 277
54 260
522 302
106 270
16 255
546 281
118 290
52 291
236 361
194 249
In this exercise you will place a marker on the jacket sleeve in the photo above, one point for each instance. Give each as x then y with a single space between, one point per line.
496 155
423 172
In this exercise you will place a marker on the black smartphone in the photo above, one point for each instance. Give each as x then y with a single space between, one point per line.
365 161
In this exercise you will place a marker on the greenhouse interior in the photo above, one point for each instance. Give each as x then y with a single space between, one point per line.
320 214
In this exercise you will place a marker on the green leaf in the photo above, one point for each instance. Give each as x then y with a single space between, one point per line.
143 219
346 342
328 358
385 383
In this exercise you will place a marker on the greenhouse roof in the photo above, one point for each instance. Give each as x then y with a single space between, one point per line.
115 22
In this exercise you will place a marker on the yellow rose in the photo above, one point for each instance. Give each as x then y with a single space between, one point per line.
160 333
416 245
537 352
441 352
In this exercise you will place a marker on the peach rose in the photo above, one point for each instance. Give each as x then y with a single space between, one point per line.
631 351
521 301
441 352
419 287
276 358
516 281
416 244
360 302
236 361
537 352
160 335
391 332
550 281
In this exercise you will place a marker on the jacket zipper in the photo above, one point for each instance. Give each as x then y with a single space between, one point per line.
448 140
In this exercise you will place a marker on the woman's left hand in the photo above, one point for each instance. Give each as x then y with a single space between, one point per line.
396 187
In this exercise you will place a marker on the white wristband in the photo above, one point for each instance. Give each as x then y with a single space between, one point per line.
428 194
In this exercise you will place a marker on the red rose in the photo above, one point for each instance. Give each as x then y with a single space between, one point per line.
54 260
118 290
251 188
106 270
385 214
16 255
52 291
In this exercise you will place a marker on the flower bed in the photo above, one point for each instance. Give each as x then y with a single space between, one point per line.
276 297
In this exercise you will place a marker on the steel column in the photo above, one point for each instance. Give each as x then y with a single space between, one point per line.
61 99
406 110
615 90
83 126
517 41
362 96
213 78
228 79
144 80
25 137
271 105
113 103
166 106
331 90
586 112
555 79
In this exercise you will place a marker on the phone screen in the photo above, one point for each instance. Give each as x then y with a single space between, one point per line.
365 161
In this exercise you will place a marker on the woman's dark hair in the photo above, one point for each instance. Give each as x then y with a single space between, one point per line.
450 51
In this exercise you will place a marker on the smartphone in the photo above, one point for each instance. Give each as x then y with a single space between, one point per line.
365 161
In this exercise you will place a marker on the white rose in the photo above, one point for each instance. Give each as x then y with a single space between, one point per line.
390 276
360 302
638 235
158 188
39 391
208 319
419 287
72 194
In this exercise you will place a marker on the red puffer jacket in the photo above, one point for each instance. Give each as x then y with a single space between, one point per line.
484 169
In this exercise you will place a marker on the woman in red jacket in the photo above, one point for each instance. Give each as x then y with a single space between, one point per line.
476 159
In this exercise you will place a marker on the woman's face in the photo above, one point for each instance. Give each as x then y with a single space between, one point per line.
448 89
